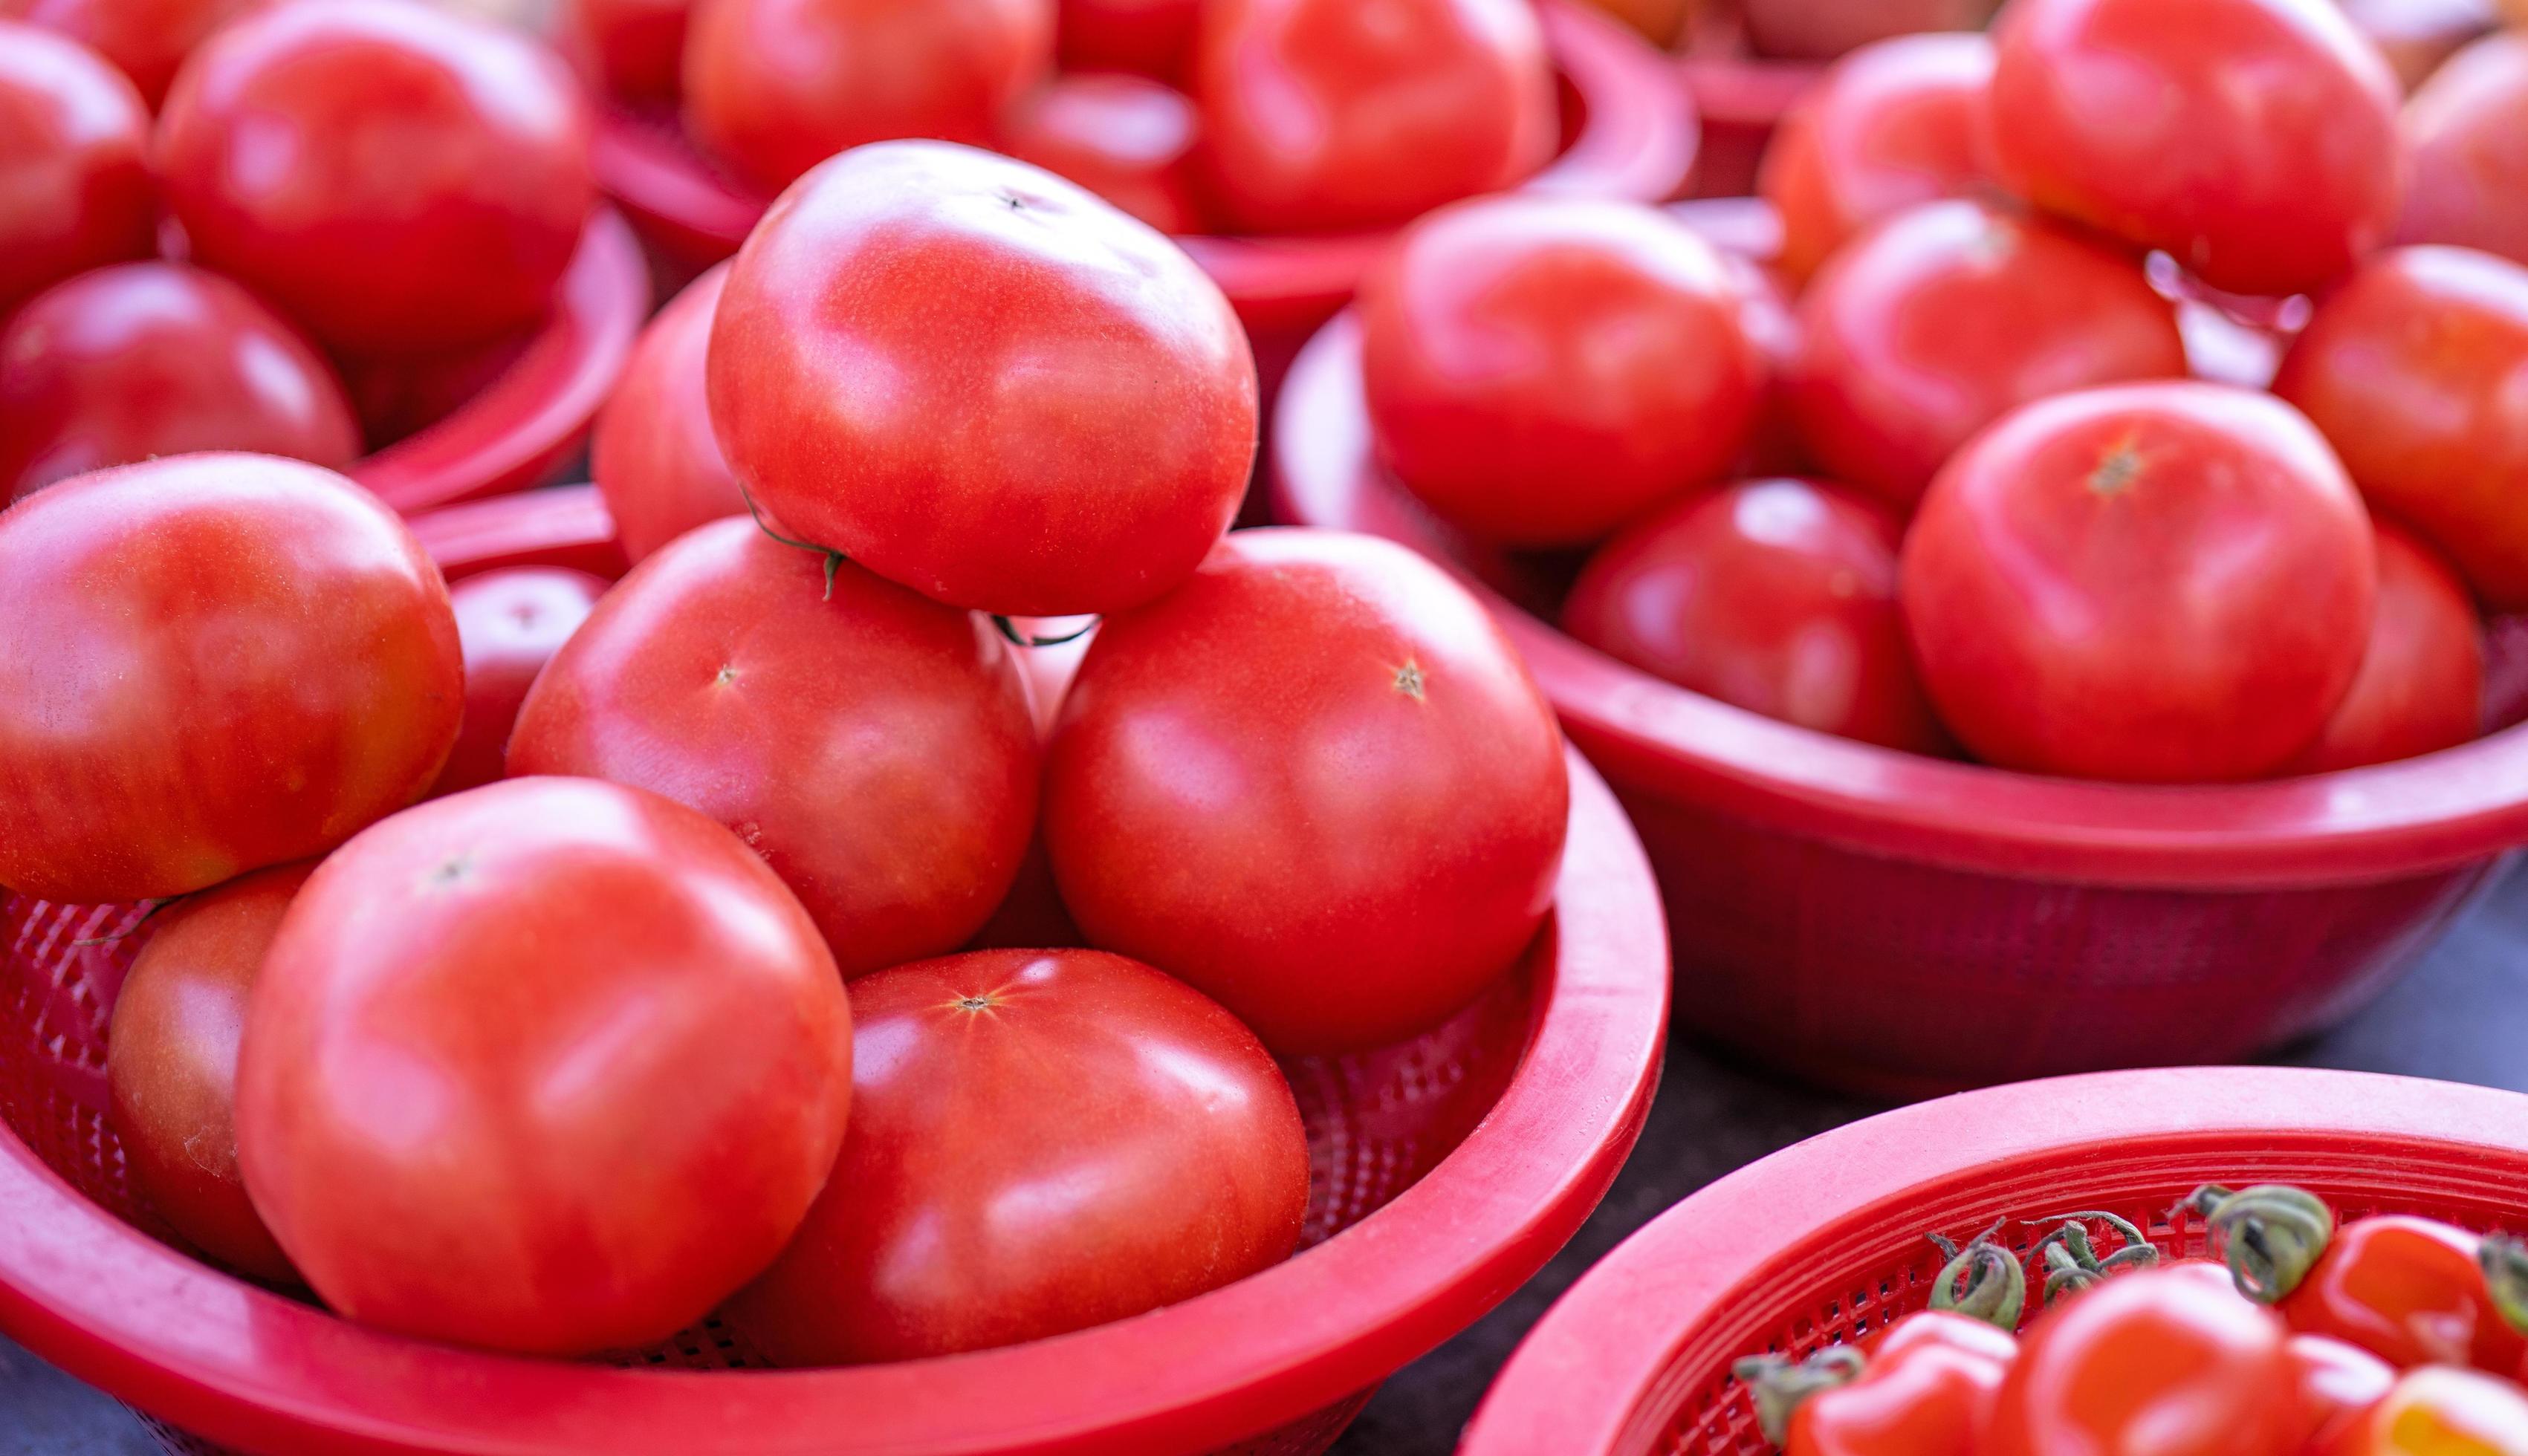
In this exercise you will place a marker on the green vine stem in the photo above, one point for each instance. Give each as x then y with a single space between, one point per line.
2070 1263
1010 630
2271 1235
2506 1276
149 910
1780 1385
1983 1281
834 559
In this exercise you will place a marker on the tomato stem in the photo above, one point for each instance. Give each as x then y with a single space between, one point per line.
2271 1235
834 559
1779 1384
2506 1276
2071 1262
1009 629
1983 1281
148 909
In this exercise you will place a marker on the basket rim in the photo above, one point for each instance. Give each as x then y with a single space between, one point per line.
2436 813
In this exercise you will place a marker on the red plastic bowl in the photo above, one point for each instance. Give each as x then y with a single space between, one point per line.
1448 1170
1742 102
1899 925
1822 1243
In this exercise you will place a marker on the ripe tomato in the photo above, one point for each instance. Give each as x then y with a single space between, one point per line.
984 1082
2409 367
1894 124
653 455
2421 685
1127 138
1069 403
146 359
1822 30
1540 370
2467 138
634 51
2440 1411
510 622
551 1066
1330 116
172 1065
1927 1390
2156 583
75 188
1947 317
1344 829
145 39
872 746
2408 1290
773 87
1151 38
461 239
209 664
2255 140
2338 1385
1778 596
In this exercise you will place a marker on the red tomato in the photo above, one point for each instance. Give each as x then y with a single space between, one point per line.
146 39
1127 138
2418 36
146 359
2439 1411
1894 124
1342 830
1947 317
1927 1390
551 1066
2421 685
2408 1290
270 149
872 746
775 86
512 622
1330 116
2466 135
2255 140
654 457
1541 370
2166 1361
172 1065
1150 36
1069 403
1822 30
2338 1385
1778 596
2155 583
2409 367
209 664
75 188
1040 1141
633 49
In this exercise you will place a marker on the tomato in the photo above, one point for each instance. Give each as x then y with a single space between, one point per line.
2338 1385
209 664
1894 124
1662 23
1822 30
1331 116
1127 138
146 359
2408 1290
653 455
1149 37
2168 1361
2255 140
1541 370
145 39
551 1067
2466 135
270 150
1315 782
75 188
1069 403
2156 583
2439 1411
773 87
633 49
2421 685
1040 1141
172 1065
2408 369
510 622
1947 317
1927 1390
1778 596
2418 36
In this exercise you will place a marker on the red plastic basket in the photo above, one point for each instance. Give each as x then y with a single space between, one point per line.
1823 1242
1448 1170
1742 102
1898 925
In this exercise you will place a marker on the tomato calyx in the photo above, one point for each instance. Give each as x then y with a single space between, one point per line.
1983 1281
1009 629
834 559
2071 1261
1779 1384
2270 1235
2506 1276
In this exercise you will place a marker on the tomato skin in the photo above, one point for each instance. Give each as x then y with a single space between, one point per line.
2409 1291
1943 319
2421 684
2255 140
551 1067
997 481
1822 30
1541 370
510 622
211 663
1127 138
145 39
460 242
143 359
1331 116
75 187
634 51
2163 583
2464 129
1344 828
1923 1394
1175 1143
653 455
2437 1410
1149 37
2338 1385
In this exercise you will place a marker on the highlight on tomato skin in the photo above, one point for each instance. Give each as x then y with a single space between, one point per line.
2467 139
74 162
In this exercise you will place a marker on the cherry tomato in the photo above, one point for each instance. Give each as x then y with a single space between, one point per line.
2156 583
1927 1390
1330 116
1662 23
2466 135
654 457
1127 138
2409 1291
775 86
145 39
1069 405
985 1083
1151 38
1344 828
270 149
1947 317
75 188
172 1065
1541 370
551 1066
1822 30
2418 36
146 359
510 622
633 49
2440 1411
209 664
2409 367
1894 124
2338 1385
2255 140
2421 685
